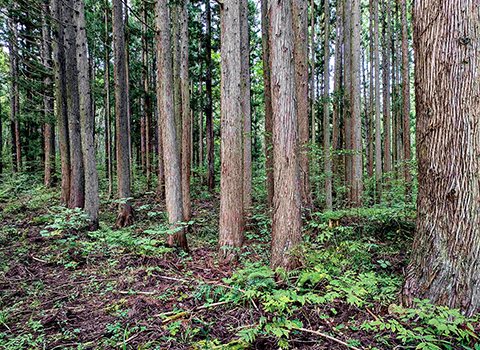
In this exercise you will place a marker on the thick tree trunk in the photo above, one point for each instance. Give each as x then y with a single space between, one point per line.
300 53
326 112
173 183
287 219
406 100
378 121
209 101
108 129
269 183
348 102
186 127
77 184
357 164
246 108
61 99
146 119
177 92
444 265
231 180
87 120
370 112
125 212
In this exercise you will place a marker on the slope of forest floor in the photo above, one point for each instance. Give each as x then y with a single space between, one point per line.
63 287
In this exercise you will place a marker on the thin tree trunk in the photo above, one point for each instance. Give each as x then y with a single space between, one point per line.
125 211
186 127
444 265
246 108
231 180
326 112
87 120
287 221
127 74
347 125
378 122
77 184
177 92
173 182
370 113
312 70
14 105
209 102
108 129
406 100
200 116
300 53
268 103
387 157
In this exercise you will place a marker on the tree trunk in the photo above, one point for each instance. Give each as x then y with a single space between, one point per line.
87 120
77 184
406 101
287 219
312 70
186 127
246 107
231 180
209 102
108 129
177 92
146 119
378 122
268 104
347 125
370 113
49 126
387 156
125 212
14 97
300 53
326 112
357 164
444 264
173 185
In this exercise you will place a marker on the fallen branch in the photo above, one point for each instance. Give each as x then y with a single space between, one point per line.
326 336
39 260
373 315
200 282
171 315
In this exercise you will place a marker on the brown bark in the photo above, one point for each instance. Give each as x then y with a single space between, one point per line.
347 124
14 94
370 112
177 91
231 180
125 211
387 156
87 120
378 122
186 127
326 112
246 108
269 183
209 101
300 53
444 264
312 71
61 99
287 219
108 129
77 182
173 185
406 100
146 119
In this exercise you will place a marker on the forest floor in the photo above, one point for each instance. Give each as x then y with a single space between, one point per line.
62 287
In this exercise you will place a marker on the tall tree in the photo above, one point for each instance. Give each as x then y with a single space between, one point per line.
378 122
77 182
246 107
406 98
444 265
176 56
387 43
326 112
125 212
87 119
268 103
209 99
171 155
371 108
108 128
231 179
300 53
287 219
186 125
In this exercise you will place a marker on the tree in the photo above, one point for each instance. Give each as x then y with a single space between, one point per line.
378 122
231 179
444 264
287 219
406 99
87 120
171 155
125 212
186 125
300 53
387 156
209 99
326 112
108 129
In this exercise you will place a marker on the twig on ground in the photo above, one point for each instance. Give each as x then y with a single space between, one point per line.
373 315
326 336
39 260
184 313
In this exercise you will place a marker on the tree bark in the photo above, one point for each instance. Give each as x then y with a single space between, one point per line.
125 211
14 94
108 129
77 184
312 71
173 185
300 53
371 109
348 101
378 121
326 112
186 127
387 156
209 101
246 108
268 104
406 101
444 264
287 219
231 180
177 92
87 120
